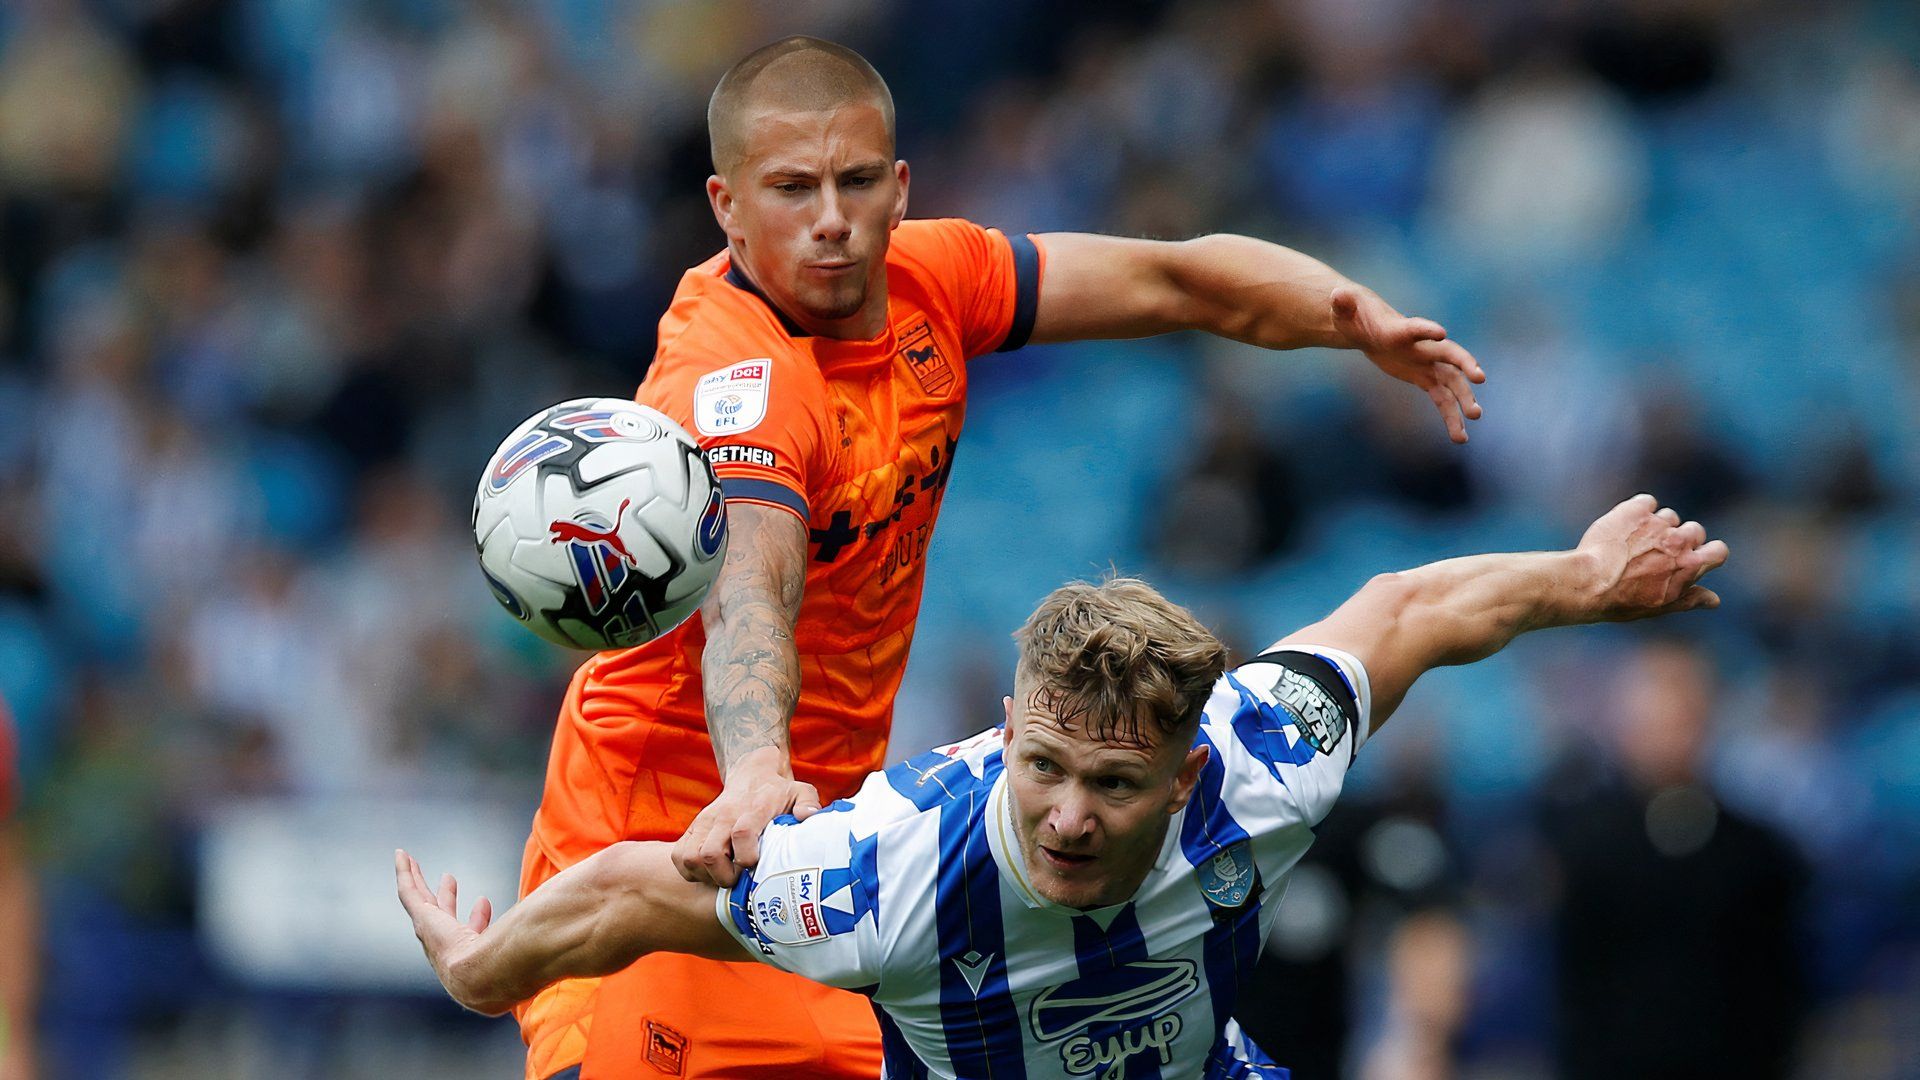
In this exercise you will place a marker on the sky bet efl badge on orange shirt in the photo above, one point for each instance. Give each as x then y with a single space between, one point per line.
733 399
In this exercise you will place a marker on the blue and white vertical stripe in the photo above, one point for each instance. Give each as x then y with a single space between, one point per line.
926 903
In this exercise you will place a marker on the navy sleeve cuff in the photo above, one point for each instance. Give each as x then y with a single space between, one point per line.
1026 291
733 487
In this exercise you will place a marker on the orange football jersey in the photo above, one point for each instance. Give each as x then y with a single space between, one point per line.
855 437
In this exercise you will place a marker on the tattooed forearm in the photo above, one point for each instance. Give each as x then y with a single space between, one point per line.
750 671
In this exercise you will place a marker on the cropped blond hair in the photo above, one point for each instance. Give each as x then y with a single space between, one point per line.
801 74
1119 659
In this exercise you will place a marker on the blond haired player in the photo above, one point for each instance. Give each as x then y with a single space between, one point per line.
1081 891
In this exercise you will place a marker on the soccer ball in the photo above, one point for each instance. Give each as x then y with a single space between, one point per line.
599 524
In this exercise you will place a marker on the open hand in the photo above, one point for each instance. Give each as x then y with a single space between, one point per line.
1414 351
725 838
437 923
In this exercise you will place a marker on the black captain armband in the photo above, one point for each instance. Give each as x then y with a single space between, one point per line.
1314 691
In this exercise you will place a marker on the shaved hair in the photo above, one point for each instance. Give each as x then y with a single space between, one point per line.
798 73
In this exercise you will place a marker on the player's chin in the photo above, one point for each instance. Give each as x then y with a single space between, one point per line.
1074 894
833 303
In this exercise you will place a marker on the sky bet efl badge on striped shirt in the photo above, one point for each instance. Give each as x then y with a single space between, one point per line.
786 908
733 399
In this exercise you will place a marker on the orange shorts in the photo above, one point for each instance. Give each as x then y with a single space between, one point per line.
673 1015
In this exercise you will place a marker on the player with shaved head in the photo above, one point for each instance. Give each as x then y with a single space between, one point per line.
822 360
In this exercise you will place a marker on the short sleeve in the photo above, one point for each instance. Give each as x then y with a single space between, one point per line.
1295 718
810 906
993 280
758 422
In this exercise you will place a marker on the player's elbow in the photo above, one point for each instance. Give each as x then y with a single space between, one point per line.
613 882
1190 294
1438 619
1396 595
1404 611
607 868
626 892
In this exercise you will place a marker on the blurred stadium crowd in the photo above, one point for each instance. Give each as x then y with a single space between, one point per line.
275 276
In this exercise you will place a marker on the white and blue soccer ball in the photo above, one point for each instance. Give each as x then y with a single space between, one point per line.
600 524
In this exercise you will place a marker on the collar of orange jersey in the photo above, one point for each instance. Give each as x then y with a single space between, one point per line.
738 278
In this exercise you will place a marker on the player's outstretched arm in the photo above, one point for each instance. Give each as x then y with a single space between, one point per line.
750 673
1636 562
1248 290
593 918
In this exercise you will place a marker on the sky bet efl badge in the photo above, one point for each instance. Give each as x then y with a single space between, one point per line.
733 399
786 908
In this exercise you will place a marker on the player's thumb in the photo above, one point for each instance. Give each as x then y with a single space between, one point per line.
807 802
1694 598
1699 596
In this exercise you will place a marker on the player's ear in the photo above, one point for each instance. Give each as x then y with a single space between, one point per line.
1186 778
899 195
720 197
1006 733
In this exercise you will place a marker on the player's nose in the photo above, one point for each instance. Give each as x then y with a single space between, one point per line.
1072 820
832 226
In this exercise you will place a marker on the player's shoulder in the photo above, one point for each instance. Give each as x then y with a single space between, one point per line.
1275 672
941 245
921 785
718 339
934 230
902 810
930 780
713 323
1293 700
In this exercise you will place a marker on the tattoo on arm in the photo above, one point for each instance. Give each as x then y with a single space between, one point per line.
750 671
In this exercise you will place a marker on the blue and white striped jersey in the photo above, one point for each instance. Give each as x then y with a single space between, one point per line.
915 893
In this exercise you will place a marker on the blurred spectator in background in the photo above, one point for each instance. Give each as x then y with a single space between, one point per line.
1680 454
1429 975
1243 488
19 927
1677 925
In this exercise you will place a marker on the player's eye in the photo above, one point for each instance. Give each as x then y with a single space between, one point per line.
860 181
790 187
1042 765
1116 783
